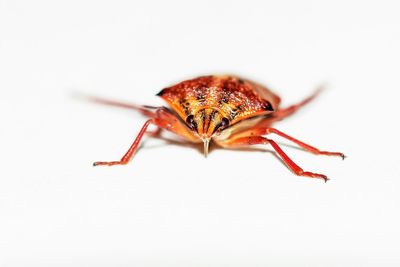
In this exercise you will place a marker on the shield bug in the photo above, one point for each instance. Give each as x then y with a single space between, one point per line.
228 110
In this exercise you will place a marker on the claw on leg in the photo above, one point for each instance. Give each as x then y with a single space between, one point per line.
314 175
108 163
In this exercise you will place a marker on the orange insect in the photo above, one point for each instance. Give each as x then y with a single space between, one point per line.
230 111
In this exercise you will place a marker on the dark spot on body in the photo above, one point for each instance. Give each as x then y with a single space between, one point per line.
191 123
201 98
235 111
233 114
222 125
203 118
268 106
224 99
161 92
185 105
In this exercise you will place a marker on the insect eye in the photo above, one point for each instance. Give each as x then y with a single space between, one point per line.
224 123
191 122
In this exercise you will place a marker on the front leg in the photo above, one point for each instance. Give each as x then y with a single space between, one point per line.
257 140
163 119
131 151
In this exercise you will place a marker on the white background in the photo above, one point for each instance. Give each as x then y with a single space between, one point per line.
170 206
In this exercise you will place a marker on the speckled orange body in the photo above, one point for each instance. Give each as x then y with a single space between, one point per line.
209 104
231 111
235 98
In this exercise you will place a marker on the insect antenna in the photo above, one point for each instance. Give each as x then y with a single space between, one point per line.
146 110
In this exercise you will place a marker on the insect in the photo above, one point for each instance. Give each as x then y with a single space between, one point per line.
228 110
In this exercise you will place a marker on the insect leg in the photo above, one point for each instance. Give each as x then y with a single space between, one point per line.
256 140
164 119
283 113
269 130
304 145
128 155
